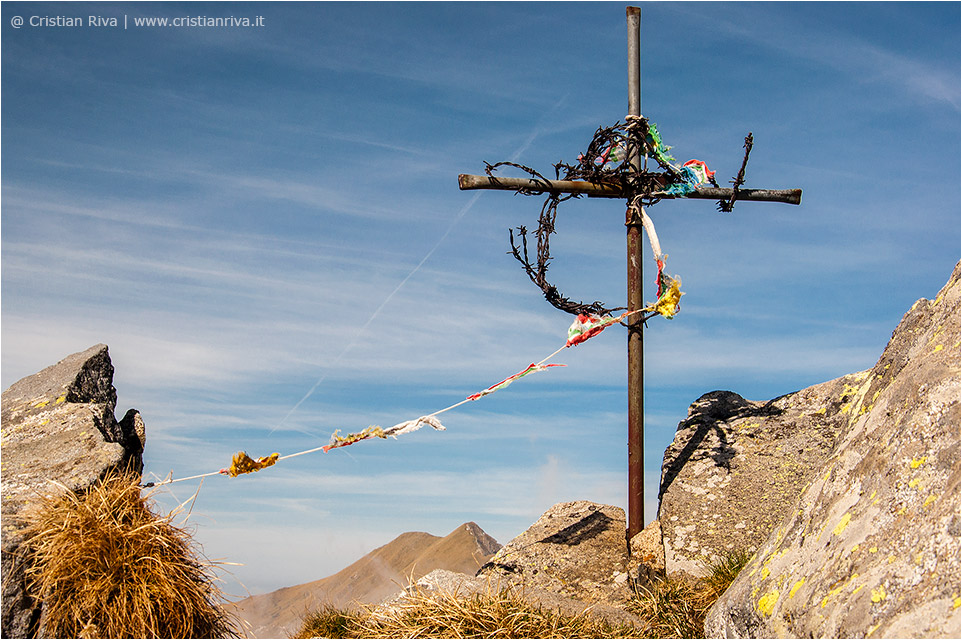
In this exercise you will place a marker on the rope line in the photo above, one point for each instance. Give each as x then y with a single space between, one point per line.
586 325
582 329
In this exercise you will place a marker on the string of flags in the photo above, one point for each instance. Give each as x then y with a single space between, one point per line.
584 327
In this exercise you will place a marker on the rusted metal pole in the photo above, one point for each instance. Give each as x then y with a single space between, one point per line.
636 345
467 182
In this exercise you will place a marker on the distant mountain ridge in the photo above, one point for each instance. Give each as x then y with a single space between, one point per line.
379 574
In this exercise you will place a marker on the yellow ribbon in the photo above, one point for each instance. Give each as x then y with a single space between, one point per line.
243 463
667 304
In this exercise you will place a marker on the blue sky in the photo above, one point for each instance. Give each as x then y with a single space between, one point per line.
243 214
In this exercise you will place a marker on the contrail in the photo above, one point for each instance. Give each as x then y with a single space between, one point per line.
464 210
357 334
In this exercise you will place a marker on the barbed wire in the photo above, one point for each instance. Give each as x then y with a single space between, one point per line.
606 161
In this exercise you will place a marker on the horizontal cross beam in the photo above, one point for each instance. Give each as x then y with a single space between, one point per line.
601 190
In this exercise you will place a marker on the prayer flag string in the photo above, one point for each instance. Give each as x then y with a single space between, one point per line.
585 327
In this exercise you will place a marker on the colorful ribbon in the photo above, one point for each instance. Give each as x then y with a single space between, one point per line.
658 148
532 368
373 431
243 463
413 425
588 326
699 171
692 174
669 296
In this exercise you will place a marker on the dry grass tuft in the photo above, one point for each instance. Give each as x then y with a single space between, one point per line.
676 608
669 609
105 565
441 614
331 622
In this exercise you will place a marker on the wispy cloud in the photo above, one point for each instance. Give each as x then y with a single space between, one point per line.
835 48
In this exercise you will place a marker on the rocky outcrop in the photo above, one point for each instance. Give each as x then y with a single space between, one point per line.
736 467
576 549
870 544
58 425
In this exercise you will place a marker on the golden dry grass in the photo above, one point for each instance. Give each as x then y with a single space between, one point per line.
105 565
441 614
667 609
676 608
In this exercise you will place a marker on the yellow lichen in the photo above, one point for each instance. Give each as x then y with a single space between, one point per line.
41 404
957 602
765 572
831 594
840 527
873 550
854 549
929 500
918 462
914 482
878 594
796 587
821 411
61 400
937 348
766 604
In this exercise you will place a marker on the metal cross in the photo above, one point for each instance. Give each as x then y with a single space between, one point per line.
634 231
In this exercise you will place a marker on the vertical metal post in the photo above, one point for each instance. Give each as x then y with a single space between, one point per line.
636 353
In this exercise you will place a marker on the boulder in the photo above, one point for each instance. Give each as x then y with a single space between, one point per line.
736 466
647 549
57 425
871 545
576 549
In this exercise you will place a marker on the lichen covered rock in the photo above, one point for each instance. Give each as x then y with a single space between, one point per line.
576 549
58 425
736 466
872 545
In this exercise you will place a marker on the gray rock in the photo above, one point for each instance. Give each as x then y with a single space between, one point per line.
736 466
576 549
57 425
647 561
872 545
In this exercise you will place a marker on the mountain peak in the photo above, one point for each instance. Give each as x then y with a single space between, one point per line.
377 575
487 545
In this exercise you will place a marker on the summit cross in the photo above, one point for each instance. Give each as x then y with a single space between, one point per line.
634 225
